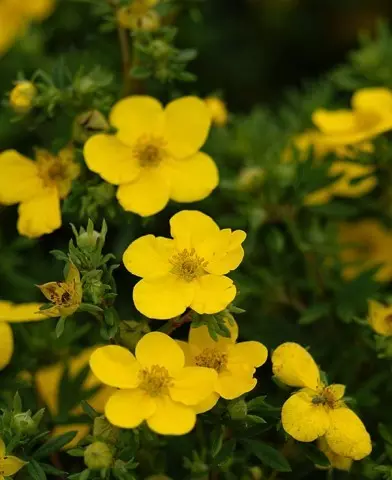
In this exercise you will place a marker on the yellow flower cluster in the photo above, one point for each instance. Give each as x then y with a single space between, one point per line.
317 410
166 383
15 15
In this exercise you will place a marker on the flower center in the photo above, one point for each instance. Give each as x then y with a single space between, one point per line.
60 293
212 358
326 398
150 151
188 265
155 380
58 171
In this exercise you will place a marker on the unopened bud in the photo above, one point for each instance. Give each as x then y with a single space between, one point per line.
218 110
98 455
23 423
250 178
256 473
89 123
22 96
87 240
103 430
237 409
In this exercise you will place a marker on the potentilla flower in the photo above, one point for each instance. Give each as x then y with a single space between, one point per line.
380 318
235 363
218 110
317 410
154 156
66 297
14 313
22 96
186 271
9 465
154 385
38 186
366 244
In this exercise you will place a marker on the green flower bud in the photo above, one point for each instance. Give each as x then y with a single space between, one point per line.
103 430
250 178
23 423
131 332
87 241
237 409
89 123
256 473
98 455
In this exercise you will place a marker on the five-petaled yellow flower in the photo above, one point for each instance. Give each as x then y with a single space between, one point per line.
65 296
234 363
186 271
317 410
218 110
139 15
14 313
154 156
9 465
38 187
366 244
380 318
155 386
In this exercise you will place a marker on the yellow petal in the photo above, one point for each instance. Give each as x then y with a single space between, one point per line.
157 348
24 312
230 386
192 385
128 408
39 9
187 351
149 256
335 391
2 447
199 337
347 435
250 353
40 215
294 366
207 404
81 430
380 318
334 122
377 99
304 420
337 461
192 179
187 124
19 179
136 116
223 251
190 228
164 297
111 159
115 366
172 418
147 195
213 295
319 197
10 465
6 344
351 184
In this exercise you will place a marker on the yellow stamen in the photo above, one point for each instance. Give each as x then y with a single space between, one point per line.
57 171
188 265
155 380
150 150
212 358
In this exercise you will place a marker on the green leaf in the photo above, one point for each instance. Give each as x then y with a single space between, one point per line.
89 410
225 452
140 72
54 444
315 455
268 455
314 313
60 326
256 403
17 403
89 308
386 433
35 471
52 470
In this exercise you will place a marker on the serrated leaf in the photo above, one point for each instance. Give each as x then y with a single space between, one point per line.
268 455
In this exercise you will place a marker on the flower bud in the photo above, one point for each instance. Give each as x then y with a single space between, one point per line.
250 178
131 332
87 240
98 455
22 96
237 409
256 473
23 423
89 123
218 111
103 430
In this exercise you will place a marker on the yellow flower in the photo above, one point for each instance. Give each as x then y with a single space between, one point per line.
13 313
15 15
155 386
187 271
48 387
234 363
9 465
218 111
337 461
139 15
22 96
65 296
366 244
154 155
317 410
380 318
38 187
370 116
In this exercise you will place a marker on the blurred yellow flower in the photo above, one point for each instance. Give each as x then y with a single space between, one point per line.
14 313
15 15
337 461
317 410
9 465
186 271
139 15
38 187
22 96
366 244
155 386
65 296
380 318
48 386
154 156
234 363
218 111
